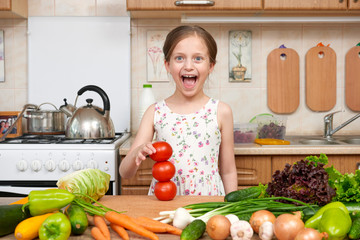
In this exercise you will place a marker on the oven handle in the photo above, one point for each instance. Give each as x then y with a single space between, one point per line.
20 190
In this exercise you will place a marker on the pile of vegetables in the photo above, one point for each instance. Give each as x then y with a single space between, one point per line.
58 213
305 201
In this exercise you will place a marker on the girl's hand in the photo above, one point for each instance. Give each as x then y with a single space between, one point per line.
143 151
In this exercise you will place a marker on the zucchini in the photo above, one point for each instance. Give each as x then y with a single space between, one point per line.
11 216
194 230
354 232
243 194
78 219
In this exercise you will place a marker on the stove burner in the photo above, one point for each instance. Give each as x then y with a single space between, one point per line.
58 139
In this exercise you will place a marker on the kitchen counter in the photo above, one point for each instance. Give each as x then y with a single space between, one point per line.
292 149
136 206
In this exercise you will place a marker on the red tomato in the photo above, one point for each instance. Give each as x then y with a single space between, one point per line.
163 151
165 191
163 171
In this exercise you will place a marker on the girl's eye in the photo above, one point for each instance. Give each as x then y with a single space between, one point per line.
198 59
179 58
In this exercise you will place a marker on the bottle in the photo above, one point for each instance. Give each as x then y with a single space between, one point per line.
146 99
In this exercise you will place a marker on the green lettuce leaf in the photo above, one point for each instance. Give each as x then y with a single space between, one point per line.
91 182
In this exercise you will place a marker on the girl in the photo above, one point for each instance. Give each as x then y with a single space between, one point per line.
198 128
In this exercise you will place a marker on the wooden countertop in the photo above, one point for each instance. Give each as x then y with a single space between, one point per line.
139 205
255 149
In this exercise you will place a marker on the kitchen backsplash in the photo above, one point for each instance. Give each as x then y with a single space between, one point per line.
247 99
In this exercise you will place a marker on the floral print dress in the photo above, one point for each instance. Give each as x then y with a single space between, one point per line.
195 139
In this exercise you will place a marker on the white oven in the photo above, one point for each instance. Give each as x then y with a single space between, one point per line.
33 162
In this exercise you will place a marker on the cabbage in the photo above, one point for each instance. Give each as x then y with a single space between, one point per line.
91 182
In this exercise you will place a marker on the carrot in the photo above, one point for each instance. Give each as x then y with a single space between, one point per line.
157 226
97 234
128 223
99 222
120 230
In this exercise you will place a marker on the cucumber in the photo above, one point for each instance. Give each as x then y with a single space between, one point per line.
243 194
194 230
354 232
78 219
11 216
352 206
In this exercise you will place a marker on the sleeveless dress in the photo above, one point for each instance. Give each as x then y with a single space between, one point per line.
195 139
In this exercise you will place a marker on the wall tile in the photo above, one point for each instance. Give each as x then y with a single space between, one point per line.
20 57
75 8
41 8
7 98
111 8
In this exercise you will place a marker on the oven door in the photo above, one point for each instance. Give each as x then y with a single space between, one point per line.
23 188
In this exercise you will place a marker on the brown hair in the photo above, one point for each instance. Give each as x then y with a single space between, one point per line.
182 32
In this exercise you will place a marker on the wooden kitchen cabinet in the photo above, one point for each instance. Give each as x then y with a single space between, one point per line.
343 163
305 5
174 8
250 170
13 8
354 4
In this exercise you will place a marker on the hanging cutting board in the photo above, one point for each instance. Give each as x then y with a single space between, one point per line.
352 78
283 80
320 79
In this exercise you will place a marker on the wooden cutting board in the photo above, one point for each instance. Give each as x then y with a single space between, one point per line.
352 78
283 94
320 77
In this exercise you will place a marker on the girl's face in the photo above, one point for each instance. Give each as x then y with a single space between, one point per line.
190 65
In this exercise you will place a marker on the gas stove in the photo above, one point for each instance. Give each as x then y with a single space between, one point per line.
33 162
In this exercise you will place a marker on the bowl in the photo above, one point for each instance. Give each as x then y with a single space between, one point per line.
245 132
270 126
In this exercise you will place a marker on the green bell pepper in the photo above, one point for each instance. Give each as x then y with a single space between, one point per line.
50 200
336 223
313 222
55 227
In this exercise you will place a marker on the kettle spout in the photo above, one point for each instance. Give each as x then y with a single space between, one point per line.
68 109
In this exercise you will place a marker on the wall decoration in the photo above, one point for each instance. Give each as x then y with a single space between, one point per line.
2 58
156 71
7 119
240 56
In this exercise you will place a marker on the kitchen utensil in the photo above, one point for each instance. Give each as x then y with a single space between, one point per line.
283 80
320 78
27 106
352 78
41 121
89 121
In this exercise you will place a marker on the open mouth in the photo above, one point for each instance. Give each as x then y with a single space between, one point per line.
189 81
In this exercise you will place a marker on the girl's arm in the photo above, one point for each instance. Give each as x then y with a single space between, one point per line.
226 156
141 146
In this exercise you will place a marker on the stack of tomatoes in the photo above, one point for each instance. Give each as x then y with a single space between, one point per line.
163 171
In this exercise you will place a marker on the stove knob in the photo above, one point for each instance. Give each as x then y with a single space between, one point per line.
50 165
92 164
36 165
77 165
21 165
64 165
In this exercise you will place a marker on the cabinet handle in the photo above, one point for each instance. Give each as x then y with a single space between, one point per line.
355 1
193 3
341 1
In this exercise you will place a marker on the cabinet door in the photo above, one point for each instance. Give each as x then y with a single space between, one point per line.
354 4
343 163
134 190
142 177
252 170
138 5
5 5
305 4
